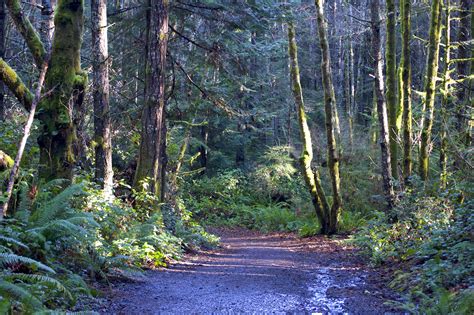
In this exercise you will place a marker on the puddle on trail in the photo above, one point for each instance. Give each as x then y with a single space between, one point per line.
324 279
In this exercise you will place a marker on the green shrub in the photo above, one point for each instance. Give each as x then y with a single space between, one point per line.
434 236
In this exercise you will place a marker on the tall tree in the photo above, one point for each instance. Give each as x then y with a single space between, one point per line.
2 56
443 156
329 104
47 22
67 82
64 80
311 177
463 55
405 87
150 159
381 105
391 78
102 122
430 87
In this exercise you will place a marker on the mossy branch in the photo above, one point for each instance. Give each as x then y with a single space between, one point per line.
15 84
27 31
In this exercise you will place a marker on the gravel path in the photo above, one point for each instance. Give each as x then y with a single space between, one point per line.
257 273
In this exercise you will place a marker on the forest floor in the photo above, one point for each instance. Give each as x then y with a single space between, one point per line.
254 273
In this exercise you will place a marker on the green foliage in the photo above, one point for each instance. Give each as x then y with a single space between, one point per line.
433 235
272 197
68 235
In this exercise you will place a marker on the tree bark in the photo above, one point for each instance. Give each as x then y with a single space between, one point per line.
21 147
66 82
405 87
102 121
463 55
2 56
311 178
443 154
47 22
391 96
329 104
150 154
381 105
430 88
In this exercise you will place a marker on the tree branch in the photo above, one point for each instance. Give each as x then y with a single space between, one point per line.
26 29
188 39
15 85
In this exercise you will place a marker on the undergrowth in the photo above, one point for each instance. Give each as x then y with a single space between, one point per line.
431 237
61 237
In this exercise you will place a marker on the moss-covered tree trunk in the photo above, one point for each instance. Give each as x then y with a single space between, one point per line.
66 82
150 157
430 88
463 121
2 55
391 79
102 121
311 178
405 87
381 105
443 153
329 104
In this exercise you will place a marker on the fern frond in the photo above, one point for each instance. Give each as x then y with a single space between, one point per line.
4 249
12 241
58 207
65 227
20 294
84 219
35 278
9 259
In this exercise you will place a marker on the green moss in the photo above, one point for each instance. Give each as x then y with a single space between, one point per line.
64 78
15 84
6 161
27 30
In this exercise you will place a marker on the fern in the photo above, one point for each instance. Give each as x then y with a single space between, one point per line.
35 278
7 259
58 207
12 241
17 293
60 228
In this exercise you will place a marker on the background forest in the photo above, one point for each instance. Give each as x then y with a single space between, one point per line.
135 124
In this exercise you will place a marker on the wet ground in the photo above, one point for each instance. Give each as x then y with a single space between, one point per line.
257 273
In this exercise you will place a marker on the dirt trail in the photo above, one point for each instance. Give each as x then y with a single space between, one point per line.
256 273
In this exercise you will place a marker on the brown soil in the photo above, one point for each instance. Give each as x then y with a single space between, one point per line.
257 273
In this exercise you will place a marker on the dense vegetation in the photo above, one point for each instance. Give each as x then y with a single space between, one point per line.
129 127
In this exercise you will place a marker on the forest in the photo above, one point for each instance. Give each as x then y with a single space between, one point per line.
236 156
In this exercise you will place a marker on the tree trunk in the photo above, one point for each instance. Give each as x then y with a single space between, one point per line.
47 23
102 122
150 154
2 56
405 87
464 53
311 178
392 105
381 105
21 147
443 157
329 104
430 88
66 82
